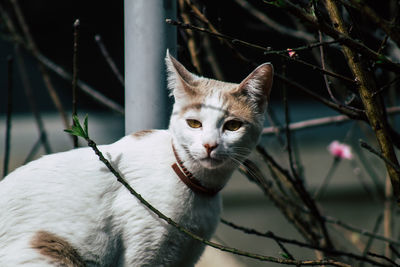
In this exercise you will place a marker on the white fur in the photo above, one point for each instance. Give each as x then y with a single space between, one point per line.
73 195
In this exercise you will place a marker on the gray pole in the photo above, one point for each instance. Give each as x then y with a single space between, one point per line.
147 37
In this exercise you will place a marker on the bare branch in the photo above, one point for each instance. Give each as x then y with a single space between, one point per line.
302 125
109 60
273 236
75 76
373 105
10 75
35 51
335 34
59 70
32 102
391 29
191 43
96 95
273 25
258 47
380 155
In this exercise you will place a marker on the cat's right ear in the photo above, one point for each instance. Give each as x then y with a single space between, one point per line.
180 80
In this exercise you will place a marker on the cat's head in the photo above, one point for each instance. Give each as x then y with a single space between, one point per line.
217 123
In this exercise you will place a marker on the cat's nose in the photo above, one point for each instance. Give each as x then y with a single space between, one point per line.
210 148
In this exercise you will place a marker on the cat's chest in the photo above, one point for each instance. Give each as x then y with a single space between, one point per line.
153 177
167 193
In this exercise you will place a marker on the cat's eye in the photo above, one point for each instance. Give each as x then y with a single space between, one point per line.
193 123
233 125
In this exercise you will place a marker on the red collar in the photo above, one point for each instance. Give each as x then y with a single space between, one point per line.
188 178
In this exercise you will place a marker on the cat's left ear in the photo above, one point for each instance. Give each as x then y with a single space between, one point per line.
257 85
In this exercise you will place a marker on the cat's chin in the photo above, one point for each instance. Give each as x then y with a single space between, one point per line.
211 163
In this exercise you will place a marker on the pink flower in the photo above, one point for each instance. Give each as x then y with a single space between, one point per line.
340 150
291 52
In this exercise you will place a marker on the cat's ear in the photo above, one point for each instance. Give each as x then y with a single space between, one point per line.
257 85
180 80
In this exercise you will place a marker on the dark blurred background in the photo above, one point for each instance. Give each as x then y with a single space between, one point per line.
51 24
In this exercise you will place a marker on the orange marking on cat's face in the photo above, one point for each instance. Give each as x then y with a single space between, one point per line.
142 133
56 249
239 107
203 89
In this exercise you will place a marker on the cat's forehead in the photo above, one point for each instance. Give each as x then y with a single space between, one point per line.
218 101
208 88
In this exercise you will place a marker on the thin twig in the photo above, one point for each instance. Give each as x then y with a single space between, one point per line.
34 150
383 44
327 219
211 58
272 24
388 204
288 134
303 48
210 54
285 251
327 82
380 155
286 202
383 257
335 34
258 47
380 90
389 28
294 216
10 75
275 124
371 239
369 170
354 114
307 124
378 195
191 43
31 101
271 235
321 189
373 105
75 76
96 95
394 250
302 193
363 232
35 51
109 59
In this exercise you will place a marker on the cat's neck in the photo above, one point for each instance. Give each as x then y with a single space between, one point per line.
213 179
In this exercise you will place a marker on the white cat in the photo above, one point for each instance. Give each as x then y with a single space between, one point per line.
67 209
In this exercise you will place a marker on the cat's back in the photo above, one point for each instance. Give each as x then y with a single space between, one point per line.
77 178
72 194
80 168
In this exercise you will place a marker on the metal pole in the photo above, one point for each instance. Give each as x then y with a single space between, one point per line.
147 37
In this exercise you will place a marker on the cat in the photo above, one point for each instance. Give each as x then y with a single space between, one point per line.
67 209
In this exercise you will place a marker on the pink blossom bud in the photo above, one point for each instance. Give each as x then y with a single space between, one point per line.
340 150
291 52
